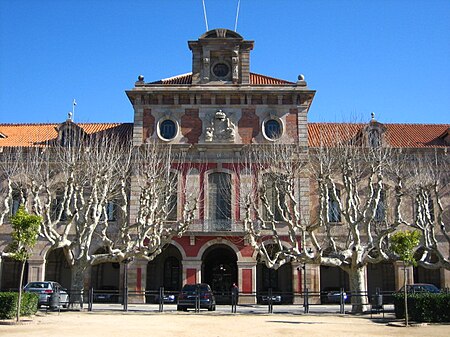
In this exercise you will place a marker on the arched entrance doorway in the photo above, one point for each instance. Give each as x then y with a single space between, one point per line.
57 268
424 275
332 279
106 277
280 281
380 276
11 274
164 271
219 270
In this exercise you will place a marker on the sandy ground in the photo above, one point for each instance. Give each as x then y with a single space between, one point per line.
79 324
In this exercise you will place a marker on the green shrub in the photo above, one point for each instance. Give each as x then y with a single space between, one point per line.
8 304
424 307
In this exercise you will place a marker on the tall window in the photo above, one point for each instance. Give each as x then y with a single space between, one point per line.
275 194
17 200
219 197
172 203
111 211
334 213
57 206
374 138
380 213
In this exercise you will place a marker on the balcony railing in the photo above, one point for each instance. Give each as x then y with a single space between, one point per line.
216 225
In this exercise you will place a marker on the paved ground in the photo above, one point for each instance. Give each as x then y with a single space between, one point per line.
109 321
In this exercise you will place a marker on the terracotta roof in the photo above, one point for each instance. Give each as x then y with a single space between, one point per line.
397 135
37 134
255 79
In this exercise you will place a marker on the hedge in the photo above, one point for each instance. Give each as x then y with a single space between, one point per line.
424 307
8 304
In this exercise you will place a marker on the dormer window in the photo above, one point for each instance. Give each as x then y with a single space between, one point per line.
69 134
372 134
68 137
373 138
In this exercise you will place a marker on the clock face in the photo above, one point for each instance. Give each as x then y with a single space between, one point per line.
221 70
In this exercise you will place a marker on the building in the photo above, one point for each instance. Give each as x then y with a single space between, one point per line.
214 111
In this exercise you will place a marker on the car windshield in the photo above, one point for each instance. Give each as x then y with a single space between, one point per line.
190 287
193 287
37 285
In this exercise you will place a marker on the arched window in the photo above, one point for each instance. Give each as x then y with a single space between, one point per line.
380 213
219 185
334 212
275 193
172 202
374 138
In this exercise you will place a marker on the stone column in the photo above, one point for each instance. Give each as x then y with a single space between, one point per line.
313 281
36 270
137 271
399 275
445 278
247 281
298 282
192 271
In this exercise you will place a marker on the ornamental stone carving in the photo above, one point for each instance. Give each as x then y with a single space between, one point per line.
221 129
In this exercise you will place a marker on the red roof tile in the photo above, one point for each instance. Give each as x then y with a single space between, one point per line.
255 79
36 134
396 135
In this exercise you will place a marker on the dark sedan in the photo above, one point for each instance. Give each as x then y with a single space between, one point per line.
199 293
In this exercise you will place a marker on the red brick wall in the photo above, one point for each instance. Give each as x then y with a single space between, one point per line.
148 124
192 251
191 275
246 281
191 125
291 124
248 125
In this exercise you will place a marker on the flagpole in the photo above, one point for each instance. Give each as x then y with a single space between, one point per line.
74 103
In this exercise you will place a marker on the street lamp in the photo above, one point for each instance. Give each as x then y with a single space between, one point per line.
305 288
125 283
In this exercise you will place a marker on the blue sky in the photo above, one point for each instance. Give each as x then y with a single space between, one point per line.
391 57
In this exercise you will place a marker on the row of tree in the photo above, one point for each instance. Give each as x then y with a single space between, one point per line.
78 190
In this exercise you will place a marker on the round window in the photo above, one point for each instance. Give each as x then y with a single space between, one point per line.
167 129
221 70
272 129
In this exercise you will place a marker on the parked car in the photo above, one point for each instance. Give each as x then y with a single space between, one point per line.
189 294
275 299
333 295
420 288
167 298
46 289
106 294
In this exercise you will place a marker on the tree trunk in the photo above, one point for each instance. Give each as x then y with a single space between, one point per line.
19 300
358 289
77 284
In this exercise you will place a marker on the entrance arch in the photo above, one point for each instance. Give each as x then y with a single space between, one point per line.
380 276
279 280
11 274
105 276
219 270
57 268
164 271
425 275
